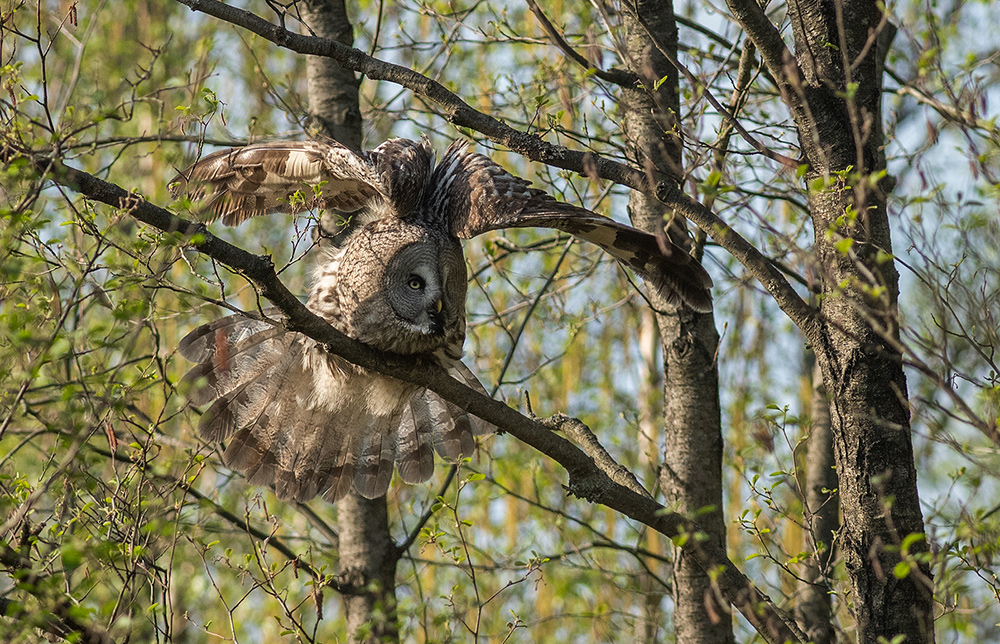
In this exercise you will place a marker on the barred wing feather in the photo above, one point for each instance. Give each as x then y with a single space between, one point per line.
259 179
305 422
477 196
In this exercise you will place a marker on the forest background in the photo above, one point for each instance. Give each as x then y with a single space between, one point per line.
120 524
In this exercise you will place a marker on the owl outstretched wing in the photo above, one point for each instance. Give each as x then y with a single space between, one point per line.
311 423
259 179
475 195
264 178
308 422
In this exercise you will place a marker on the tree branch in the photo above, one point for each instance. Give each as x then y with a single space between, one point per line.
797 310
586 479
59 618
766 37
619 77
729 119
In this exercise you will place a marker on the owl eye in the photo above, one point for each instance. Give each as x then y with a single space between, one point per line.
416 282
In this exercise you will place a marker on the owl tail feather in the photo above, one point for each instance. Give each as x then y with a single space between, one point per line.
373 469
297 418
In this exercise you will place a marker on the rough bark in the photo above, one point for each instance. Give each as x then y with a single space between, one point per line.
368 559
691 474
862 368
822 509
368 556
334 109
833 88
870 419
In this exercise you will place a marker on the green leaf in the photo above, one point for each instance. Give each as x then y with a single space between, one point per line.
844 245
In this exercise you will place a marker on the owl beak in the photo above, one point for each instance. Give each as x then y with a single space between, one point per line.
437 320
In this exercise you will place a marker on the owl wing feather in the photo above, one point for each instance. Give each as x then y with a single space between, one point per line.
476 195
270 397
239 183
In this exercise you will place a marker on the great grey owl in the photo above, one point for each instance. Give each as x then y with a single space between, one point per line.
309 422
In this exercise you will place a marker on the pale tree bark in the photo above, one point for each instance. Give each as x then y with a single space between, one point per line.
368 555
334 109
813 608
832 84
650 420
368 558
691 474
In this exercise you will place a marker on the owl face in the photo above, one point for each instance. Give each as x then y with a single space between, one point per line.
415 285
398 287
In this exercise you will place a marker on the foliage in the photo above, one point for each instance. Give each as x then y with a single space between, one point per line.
118 518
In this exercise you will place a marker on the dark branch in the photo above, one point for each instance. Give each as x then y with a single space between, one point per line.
729 119
617 76
767 39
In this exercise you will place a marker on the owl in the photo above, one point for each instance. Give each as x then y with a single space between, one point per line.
309 422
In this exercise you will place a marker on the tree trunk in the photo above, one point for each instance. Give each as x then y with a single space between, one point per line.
837 109
650 408
863 373
814 607
334 109
368 560
691 475
368 556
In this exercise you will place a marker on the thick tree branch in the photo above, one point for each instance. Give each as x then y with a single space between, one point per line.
766 37
451 106
586 479
585 438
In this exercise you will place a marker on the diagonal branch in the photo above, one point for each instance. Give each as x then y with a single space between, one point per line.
766 37
452 107
729 120
617 76
763 269
586 479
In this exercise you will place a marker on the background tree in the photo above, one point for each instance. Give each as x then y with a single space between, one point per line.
120 524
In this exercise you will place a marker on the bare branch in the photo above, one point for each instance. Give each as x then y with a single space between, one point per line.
585 438
797 310
729 118
766 37
616 76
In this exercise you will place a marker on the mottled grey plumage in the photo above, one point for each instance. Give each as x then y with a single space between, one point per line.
312 423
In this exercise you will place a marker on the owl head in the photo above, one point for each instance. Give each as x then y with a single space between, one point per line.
401 288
